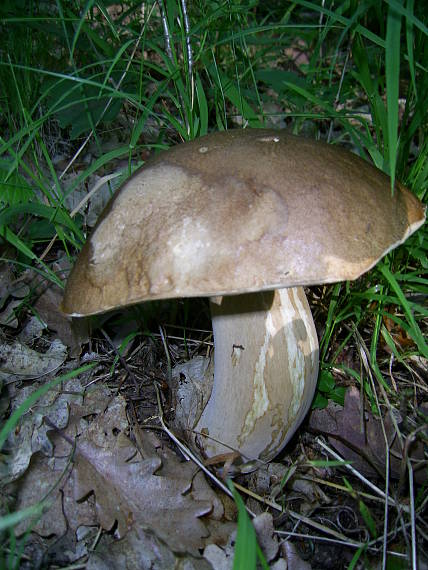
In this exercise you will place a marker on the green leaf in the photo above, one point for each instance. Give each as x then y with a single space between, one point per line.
356 557
245 546
203 106
83 105
14 189
13 519
414 330
320 402
247 550
368 519
326 381
338 395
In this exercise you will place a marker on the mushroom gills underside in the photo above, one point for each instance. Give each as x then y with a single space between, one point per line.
265 375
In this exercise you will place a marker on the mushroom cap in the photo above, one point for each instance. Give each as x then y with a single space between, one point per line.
235 212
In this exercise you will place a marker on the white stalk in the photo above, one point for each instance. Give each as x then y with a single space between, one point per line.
265 373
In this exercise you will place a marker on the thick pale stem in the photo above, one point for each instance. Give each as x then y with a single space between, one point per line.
265 373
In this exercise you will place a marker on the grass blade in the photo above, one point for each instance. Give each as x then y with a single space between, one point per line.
12 421
414 329
245 546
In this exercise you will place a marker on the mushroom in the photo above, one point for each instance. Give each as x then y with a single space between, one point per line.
246 218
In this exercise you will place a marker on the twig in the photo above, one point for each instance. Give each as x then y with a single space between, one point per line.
122 360
386 511
166 33
297 516
412 515
360 476
333 540
339 89
188 44
187 452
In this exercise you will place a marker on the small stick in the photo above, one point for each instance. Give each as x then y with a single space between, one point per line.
166 33
360 476
188 44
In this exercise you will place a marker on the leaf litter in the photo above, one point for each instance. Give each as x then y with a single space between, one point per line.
119 496
364 439
105 480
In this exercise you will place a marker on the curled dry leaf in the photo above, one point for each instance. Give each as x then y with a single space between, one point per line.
268 542
9 286
221 558
32 330
291 555
8 317
192 384
72 332
46 299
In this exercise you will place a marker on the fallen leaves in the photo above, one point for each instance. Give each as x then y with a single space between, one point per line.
18 360
104 479
30 435
129 492
362 438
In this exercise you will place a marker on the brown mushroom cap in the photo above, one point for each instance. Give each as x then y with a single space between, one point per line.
235 212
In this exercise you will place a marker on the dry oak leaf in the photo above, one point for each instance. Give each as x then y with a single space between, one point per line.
128 492
41 480
72 332
140 550
30 434
18 360
365 448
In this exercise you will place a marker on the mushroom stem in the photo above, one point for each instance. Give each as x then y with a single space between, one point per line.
265 373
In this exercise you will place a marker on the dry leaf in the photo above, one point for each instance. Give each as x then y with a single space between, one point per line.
36 483
113 486
17 359
9 286
221 558
268 541
72 332
32 330
131 494
30 435
291 555
8 317
366 448
140 551
152 493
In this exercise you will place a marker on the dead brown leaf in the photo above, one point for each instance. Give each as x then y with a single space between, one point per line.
72 332
38 481
359 437
154 492
30 435
128 492
140 551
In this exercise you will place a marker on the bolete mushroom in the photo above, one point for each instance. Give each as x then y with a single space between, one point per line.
245 217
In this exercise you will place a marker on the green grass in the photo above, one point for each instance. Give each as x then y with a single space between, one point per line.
70 73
